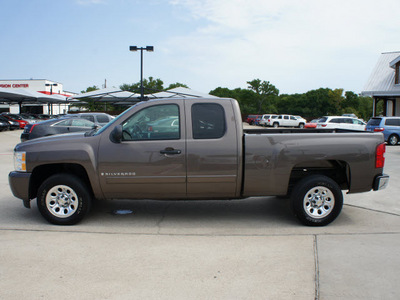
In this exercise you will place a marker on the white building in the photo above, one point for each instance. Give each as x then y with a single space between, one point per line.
44 86
384 84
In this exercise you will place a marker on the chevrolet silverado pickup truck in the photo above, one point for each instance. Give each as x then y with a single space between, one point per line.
196 148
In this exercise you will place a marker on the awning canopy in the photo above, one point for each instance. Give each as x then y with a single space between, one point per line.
21 96
118 96
16 96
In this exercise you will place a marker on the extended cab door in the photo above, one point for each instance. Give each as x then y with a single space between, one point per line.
213 155
150 161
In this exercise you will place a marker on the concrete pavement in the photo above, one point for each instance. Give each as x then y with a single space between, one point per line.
242 249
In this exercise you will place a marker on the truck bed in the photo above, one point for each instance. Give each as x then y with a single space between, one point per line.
275 157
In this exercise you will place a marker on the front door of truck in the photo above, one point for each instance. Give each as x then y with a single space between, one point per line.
150 161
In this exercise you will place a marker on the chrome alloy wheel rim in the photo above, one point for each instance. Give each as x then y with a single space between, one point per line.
319 202
62 201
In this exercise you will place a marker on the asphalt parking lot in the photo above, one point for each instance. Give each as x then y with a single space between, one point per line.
242 249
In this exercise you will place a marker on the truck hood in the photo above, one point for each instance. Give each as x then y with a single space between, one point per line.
51 140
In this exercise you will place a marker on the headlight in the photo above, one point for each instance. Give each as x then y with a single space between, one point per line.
20 161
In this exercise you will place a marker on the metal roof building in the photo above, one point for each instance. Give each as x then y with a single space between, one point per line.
384 83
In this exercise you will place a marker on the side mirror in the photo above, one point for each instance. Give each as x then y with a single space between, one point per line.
116 134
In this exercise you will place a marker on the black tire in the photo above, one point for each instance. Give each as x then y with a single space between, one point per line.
393 140
275 125
63 199
317 200
301 125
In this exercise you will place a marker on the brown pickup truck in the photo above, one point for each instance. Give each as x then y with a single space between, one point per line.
196 149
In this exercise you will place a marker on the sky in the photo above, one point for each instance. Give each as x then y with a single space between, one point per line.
295 45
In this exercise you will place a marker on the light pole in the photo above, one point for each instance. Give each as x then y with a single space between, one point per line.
51 93
149 49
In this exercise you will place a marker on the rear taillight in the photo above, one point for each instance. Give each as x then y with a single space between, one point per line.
150 128
380 156
33 125
379 129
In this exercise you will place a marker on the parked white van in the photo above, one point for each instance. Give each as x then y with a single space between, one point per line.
341 122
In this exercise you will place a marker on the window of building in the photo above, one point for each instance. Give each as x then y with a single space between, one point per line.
397 73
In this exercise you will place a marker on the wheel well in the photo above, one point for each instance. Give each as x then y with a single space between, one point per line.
337 170
41 173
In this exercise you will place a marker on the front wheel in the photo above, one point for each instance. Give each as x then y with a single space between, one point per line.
317 200
63 199
276 125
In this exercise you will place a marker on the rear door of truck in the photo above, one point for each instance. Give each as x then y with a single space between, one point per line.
213 148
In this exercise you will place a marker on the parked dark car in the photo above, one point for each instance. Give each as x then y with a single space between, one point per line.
251 118
389 126
4 125
56 126
22 123
97 118
12 124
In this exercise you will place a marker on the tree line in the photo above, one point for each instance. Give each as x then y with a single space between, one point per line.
262 97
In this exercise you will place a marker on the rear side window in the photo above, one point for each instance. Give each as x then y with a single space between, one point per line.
63 123
102 119
89 118
335 120
81 123
208 121
392 122
322 120
357 122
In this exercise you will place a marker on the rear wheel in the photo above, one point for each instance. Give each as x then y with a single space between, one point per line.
317 200
276 125
63 199
393 139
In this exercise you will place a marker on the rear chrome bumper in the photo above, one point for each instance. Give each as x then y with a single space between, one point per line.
381 182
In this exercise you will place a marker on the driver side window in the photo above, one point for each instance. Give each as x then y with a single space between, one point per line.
160 122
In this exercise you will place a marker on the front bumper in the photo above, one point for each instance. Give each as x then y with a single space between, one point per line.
381 182
19 184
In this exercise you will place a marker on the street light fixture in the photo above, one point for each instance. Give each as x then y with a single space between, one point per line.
149 49
50 106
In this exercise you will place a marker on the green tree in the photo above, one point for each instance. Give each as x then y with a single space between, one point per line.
365 108
90 89
266 93
245 98
150 85
175 85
